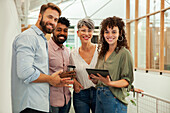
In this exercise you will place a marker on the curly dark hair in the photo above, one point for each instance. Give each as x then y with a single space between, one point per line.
112 22
64 21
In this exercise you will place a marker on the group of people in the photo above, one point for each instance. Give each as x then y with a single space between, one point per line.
40 80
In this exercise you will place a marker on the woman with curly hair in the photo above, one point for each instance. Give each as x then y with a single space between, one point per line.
114 56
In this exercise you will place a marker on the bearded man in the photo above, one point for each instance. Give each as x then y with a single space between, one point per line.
30 77
60 97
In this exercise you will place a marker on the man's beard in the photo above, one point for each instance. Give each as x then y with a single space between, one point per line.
57 39
44 28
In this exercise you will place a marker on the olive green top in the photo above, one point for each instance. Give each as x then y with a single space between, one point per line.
120 66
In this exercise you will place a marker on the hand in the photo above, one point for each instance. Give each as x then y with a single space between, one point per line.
95 81
106 80
65 82
77 86
138 90
71 74
56 81
55 78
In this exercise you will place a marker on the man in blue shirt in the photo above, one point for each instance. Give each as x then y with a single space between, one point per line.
30 77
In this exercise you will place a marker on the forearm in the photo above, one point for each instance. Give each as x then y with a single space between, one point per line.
75 82
42 78
119 83
77 86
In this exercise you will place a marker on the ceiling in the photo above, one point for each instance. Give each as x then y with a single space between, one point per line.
75 10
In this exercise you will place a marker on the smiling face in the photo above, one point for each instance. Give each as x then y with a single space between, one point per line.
48 20
60 34
111 35
85 34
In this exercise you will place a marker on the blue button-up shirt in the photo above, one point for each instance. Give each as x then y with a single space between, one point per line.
29 59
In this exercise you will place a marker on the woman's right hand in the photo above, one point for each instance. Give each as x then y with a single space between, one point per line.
95 81
77 86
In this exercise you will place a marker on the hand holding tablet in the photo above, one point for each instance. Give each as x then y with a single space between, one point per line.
103 73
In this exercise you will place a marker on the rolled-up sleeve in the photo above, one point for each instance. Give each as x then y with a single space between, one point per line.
25 53
127 69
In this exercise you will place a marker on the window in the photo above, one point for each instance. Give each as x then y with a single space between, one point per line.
167 40
167 3
142 43
132 39
155 5
153 34
142 8
132 9
70 42
155 40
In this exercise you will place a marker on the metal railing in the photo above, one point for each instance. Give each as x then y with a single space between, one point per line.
146 103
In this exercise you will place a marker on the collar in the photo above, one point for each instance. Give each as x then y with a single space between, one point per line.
55 46
38 31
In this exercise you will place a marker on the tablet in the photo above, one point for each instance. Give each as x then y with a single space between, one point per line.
102 72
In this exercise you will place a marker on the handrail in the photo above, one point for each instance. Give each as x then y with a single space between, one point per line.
149 95
149 103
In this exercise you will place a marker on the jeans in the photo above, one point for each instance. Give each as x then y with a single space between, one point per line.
106 102
29 110
64 109
85 100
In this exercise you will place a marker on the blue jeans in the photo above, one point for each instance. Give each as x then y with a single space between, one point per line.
85 100
64 109
106 102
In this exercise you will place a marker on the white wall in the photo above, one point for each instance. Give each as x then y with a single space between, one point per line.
9 28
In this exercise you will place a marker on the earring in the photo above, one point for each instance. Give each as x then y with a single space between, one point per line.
120 39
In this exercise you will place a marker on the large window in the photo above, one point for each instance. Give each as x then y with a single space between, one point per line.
149 34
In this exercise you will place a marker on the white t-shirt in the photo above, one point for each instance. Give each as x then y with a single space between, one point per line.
81 65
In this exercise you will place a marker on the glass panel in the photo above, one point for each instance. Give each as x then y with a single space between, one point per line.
155 40
142 43
132 9
132 39
142 8
167 40
167 3
155 5
70 42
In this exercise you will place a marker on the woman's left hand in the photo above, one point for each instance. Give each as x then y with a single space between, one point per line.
106 80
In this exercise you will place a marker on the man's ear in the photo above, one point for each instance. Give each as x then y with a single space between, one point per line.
77 33
39 16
